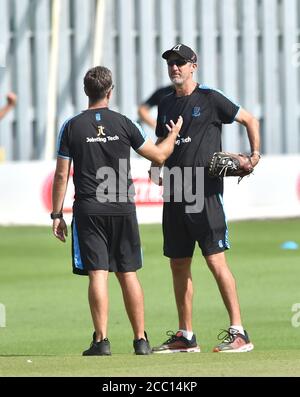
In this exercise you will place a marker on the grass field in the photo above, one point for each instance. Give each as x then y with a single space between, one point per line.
49 325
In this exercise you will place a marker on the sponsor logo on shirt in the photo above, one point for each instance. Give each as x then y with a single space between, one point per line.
196 111
183 140
100 130
102 137
103 140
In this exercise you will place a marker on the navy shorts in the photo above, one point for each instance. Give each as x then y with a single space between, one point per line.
181 231
105 242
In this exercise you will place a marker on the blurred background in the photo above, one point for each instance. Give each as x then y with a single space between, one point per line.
250 49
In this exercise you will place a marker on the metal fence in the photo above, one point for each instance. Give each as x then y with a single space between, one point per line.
248 48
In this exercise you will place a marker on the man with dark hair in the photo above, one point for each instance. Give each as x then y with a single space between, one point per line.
97 82
105 235
204 111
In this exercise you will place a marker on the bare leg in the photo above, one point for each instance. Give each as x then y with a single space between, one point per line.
134 301
183 289
98 300
227 286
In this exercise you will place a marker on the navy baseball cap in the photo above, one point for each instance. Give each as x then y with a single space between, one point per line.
183 51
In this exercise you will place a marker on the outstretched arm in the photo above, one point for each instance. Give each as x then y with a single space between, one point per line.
155 169
160 152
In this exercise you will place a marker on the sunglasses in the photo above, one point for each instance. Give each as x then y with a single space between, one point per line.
177 62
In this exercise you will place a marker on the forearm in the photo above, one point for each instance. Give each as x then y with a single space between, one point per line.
253 135
166 147
252 126
58 193
145 116
153 163
161 151
5 110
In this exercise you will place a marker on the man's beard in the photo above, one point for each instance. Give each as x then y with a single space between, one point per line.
177 80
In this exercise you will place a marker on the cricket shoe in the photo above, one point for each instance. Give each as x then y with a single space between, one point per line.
233 342
142 346
177 343
101 348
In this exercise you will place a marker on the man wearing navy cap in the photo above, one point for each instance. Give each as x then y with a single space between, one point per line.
204 111
183 52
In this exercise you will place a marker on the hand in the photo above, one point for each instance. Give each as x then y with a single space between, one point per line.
175 128
255 157
60 229
11 98
154 176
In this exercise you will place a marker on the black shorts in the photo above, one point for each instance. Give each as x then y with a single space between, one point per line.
105 242
208 228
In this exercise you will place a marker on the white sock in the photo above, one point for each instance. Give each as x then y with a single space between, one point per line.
239 328
187 334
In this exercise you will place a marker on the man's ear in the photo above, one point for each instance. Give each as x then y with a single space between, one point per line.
109 94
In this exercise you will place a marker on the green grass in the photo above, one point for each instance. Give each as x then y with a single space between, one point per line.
48 318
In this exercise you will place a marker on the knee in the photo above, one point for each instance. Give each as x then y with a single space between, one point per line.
180 262
96 275
216 262
220 269
125 277
180 266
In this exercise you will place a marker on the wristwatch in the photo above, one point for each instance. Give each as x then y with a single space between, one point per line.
56 215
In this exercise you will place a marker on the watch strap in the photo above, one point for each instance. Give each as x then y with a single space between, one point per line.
56 215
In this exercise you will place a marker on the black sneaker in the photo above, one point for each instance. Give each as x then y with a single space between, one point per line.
142 346
101 348
177 343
